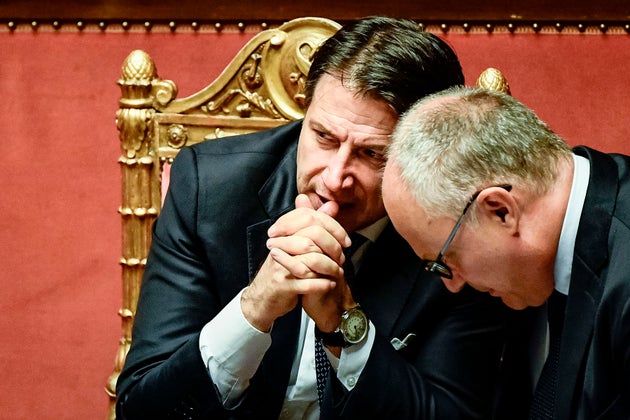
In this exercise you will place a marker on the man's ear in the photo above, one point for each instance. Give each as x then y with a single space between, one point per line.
497 205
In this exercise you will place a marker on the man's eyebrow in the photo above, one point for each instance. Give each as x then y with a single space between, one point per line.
321 128
378 147
368 143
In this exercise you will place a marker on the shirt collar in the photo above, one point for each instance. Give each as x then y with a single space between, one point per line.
373 231
566 244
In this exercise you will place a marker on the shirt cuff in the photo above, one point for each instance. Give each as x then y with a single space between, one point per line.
232 350
353 359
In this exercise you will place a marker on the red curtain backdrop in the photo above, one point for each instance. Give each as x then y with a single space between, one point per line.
579 84
60 182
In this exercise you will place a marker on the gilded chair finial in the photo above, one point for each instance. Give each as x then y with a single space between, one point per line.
493 79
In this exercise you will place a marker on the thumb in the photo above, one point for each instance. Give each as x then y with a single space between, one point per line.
302 201
330 208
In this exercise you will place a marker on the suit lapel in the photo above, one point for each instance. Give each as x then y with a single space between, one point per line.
576 335
383 292
277 196
590 255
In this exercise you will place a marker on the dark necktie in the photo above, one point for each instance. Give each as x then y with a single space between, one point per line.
348 267
322 364
546 389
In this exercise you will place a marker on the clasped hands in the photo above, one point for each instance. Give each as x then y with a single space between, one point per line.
304 264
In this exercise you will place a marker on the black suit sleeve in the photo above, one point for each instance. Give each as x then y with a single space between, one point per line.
202 254
164 374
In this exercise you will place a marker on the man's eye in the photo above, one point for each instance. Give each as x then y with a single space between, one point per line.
325 139
373 154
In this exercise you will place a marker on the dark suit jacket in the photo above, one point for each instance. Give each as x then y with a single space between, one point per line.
595 350
208 244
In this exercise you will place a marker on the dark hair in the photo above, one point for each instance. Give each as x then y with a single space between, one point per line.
387 59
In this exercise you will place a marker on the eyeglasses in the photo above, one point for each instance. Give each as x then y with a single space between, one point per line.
438 266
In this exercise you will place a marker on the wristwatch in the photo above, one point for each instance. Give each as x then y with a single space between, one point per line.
352 329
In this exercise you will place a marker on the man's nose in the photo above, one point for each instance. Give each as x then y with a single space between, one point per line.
454 285
337 175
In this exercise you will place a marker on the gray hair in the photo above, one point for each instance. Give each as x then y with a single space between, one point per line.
455 142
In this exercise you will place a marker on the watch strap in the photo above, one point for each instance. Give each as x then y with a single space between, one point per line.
331 339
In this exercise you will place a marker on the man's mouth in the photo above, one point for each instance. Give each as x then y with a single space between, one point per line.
320 200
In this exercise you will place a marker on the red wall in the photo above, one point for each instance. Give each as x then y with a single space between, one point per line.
59 227
578 83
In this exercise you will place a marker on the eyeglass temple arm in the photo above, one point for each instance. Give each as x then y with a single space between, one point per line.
506 187
456 228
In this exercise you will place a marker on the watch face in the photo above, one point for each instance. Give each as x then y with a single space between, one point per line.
354 325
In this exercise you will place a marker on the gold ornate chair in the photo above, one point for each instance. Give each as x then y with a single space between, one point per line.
261 88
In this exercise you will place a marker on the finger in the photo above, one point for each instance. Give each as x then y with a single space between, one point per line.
294 244
309 240
307 287
301 218
330 208
302 201
324 241
307 266
300 286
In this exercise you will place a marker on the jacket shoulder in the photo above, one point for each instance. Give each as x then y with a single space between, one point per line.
271 141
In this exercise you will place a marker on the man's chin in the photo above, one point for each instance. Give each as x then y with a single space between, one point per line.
510 303
346 220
